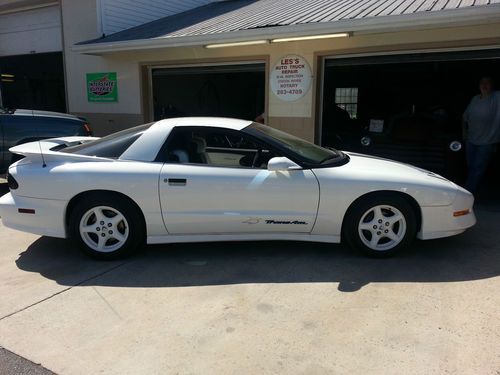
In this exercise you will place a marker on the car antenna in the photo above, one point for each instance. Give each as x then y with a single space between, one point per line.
39 143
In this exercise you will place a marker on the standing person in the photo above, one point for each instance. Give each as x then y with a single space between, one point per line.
481 131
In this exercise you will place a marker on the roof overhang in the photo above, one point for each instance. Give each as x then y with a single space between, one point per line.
418 21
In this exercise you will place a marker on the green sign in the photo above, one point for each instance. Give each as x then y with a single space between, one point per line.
102 87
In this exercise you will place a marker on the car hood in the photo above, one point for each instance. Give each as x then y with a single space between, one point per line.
371 173
390 168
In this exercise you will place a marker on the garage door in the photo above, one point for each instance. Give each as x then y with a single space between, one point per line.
404 107
227 90
30 31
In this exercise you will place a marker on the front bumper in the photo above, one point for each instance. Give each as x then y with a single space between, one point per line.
48 219
439 221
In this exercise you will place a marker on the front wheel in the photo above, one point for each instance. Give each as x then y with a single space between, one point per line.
380 225
106 228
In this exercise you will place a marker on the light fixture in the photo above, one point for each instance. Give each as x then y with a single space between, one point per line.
4 77
311 37
237 44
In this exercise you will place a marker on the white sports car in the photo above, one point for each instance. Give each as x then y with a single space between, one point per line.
216 179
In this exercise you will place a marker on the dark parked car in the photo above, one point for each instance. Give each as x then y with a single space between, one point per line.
427 139
22 126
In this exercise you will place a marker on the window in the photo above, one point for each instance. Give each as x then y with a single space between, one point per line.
300 149
347 99
111 146
216 147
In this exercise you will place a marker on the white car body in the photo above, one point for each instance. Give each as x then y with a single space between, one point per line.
221 203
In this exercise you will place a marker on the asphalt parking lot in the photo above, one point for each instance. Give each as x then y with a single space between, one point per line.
255 308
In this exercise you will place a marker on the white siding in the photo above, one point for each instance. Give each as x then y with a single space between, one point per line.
117 15
30 31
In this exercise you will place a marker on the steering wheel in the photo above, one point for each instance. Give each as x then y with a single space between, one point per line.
256 158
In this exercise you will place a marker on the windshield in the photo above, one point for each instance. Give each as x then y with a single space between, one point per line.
111 146
299 148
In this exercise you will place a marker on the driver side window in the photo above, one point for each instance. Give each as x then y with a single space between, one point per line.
216 147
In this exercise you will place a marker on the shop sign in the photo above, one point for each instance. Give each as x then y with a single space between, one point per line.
102 87
291 78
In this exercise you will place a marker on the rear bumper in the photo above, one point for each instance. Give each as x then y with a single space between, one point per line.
48 219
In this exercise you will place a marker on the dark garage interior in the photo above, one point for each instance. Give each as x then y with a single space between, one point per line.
221 90
33 81
407 108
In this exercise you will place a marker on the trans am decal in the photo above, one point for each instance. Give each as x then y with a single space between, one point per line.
295 222
256 220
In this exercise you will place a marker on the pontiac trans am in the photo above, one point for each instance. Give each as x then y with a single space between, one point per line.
216 179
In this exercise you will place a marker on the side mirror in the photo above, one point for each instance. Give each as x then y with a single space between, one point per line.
281 164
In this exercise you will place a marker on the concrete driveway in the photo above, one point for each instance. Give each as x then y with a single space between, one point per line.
255 308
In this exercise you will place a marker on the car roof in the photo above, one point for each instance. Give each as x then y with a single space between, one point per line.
222 122
36 113
147 146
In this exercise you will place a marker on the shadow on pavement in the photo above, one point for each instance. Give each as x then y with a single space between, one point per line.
471 256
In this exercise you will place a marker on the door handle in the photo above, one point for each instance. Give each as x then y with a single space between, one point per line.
176 181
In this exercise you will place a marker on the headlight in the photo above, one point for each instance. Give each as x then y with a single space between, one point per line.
455 146
366 141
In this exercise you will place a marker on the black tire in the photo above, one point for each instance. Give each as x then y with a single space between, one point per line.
351 226
133 219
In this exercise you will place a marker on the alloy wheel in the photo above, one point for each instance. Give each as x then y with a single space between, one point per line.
104 229
382 227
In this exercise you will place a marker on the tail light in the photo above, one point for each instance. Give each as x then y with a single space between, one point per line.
87 128
11 182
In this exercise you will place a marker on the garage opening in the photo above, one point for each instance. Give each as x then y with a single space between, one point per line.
218 90
33 81
406 107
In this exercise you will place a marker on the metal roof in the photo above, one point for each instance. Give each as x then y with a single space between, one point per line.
232 16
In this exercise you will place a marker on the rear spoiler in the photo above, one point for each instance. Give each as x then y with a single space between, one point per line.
49 149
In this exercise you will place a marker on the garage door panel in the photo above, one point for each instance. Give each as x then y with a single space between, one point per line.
32 31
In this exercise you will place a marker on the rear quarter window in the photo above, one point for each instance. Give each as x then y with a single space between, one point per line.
111 146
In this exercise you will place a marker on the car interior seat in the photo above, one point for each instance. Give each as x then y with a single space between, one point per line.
178 156
197 151
178 149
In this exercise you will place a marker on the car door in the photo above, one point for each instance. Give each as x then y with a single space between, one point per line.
228 195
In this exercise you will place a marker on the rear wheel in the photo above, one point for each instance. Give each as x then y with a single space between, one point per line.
380 225
107 227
